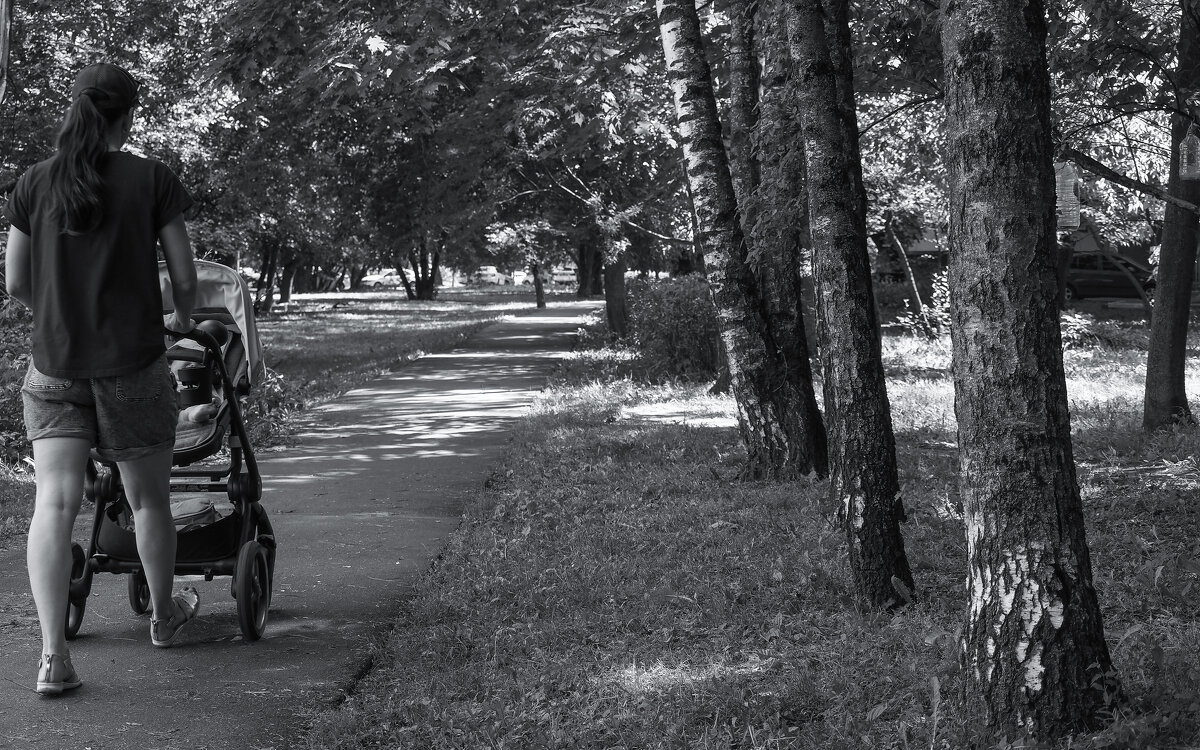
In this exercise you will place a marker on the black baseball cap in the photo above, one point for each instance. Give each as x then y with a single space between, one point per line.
107 85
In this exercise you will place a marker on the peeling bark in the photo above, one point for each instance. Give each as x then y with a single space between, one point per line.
1034 648
864 481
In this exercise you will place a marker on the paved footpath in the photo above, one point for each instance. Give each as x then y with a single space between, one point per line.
361 505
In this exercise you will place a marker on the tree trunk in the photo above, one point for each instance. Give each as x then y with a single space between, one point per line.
409 292
285 280
909 278
424 285
6 9
763 398
264 297
590 263
1034 648
1166 397
744 78
539 289
775 219
864 480
615 298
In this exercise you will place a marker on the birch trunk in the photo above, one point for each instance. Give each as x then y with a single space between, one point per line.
862 460
764 395
1034 648
1166 395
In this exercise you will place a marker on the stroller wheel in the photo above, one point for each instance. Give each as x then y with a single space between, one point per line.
252 587
139 593
76 606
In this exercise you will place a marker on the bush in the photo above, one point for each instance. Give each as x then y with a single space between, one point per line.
1080 330
934 318
673 328
15 346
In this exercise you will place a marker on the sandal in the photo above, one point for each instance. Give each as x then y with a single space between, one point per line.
56 675
187 605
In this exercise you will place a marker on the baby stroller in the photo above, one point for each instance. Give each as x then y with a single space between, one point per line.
215 365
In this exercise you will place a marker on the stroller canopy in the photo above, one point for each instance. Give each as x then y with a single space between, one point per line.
219 287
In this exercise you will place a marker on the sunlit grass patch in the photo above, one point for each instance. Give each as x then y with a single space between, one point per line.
615 587
616 590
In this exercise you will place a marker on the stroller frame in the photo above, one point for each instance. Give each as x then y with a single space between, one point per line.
240 545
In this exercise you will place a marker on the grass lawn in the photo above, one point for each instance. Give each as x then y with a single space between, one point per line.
615 587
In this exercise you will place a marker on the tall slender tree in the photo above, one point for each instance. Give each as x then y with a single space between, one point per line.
1034 644
1166 396
763 138
765 401
863 474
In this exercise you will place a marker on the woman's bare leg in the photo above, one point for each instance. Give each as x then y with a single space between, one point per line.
147 484
60 464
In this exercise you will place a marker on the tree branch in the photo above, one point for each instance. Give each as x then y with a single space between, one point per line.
910 104
1099 169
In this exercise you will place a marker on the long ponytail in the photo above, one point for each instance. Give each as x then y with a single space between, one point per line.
75 182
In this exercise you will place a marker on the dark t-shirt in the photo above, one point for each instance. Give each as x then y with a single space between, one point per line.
97 306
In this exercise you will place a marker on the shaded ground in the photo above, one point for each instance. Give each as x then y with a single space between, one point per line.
361 504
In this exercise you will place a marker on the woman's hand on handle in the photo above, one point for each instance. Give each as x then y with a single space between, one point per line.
178 324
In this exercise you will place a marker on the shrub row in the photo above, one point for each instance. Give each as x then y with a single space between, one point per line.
673 328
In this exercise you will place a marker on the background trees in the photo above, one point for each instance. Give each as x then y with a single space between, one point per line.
322 139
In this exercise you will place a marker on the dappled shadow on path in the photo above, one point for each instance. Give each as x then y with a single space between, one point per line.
443 406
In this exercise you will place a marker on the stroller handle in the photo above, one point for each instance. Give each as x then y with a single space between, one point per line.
209 334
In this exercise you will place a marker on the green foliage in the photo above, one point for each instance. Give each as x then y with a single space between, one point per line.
933 319
15 347
1083 330
673 327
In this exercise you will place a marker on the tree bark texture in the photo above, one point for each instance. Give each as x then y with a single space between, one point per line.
744 77
1166 396
764 400
6 10
864 480
1034 647
776 220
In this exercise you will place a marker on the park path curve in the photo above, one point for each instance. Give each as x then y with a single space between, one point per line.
361 504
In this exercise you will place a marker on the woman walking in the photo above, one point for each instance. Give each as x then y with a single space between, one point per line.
82 255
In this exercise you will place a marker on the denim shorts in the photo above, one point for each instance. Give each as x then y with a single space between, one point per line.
125 417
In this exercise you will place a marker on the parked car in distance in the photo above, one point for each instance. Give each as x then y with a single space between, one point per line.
381 280
491 275
1101 275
